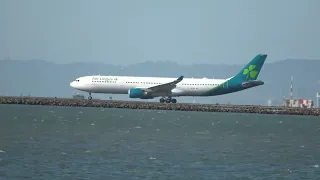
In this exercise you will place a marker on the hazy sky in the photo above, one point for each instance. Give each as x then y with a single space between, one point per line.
182 31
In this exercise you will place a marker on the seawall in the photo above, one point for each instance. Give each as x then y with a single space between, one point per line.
158 106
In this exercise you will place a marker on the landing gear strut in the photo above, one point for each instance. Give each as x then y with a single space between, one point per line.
89 97
168 100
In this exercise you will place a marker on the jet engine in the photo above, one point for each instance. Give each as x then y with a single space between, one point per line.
138 93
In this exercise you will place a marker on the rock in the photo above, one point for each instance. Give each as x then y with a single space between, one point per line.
159 106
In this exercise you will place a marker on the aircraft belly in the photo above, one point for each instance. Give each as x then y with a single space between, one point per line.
86 87
177 92
118 89
99 88
194 91
105 88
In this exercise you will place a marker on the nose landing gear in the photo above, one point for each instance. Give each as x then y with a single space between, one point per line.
90 97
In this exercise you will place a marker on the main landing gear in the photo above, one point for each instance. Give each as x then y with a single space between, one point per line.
89 97
168 100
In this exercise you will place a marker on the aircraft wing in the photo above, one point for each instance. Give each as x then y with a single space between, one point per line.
165 87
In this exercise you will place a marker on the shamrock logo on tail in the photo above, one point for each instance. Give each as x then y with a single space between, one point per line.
251 72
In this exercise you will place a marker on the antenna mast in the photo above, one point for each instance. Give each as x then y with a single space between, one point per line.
291 88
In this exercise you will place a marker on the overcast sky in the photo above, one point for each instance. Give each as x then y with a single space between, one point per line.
182 31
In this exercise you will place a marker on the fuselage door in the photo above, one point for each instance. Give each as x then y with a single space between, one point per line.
122 82
225 85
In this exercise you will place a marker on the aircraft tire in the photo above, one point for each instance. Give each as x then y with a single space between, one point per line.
161 100
174 100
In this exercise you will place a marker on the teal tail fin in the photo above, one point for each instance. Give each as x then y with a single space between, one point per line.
245 79
252 69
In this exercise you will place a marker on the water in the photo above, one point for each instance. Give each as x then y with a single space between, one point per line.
90 143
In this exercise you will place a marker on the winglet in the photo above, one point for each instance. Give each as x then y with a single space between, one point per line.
180 78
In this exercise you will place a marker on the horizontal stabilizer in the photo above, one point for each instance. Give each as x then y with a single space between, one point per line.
253 83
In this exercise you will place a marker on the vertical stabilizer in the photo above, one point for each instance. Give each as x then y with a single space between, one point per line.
252 69
243 80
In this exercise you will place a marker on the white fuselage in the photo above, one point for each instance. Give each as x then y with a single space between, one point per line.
151 87
122 84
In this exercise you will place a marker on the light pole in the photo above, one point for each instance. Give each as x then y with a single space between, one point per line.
318 96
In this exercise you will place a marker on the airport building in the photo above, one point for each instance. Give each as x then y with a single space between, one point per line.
78 96
302 103
299 103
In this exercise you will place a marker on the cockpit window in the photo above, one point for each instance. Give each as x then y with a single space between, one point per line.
77 80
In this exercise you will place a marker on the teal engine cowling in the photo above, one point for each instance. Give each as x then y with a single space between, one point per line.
138 93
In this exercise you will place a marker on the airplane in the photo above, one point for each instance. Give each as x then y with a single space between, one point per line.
169 88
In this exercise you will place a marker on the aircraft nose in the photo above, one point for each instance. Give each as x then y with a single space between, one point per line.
72 84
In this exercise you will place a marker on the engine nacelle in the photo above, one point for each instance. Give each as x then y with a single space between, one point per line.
137 93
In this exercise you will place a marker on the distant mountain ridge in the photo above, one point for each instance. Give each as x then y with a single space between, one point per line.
42 78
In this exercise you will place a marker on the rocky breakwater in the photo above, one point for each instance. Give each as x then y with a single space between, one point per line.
158 106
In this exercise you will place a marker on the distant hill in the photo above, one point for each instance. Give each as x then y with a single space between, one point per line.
41 78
